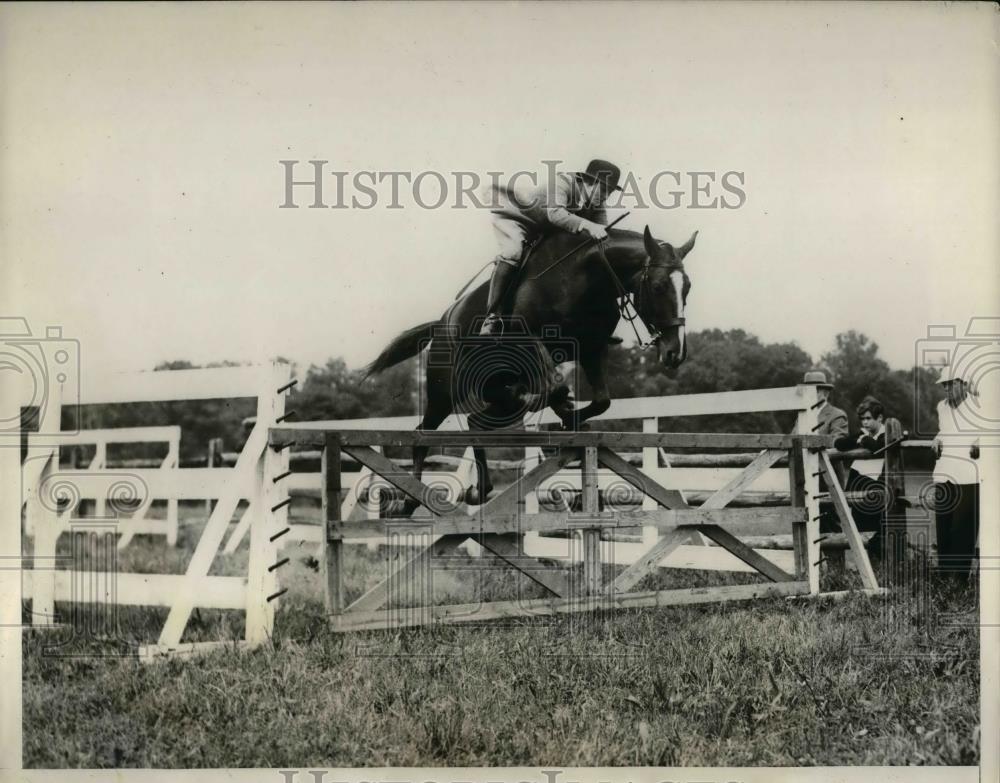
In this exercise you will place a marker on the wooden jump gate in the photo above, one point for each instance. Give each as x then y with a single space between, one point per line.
499 524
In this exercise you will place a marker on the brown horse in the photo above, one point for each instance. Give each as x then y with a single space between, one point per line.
559 313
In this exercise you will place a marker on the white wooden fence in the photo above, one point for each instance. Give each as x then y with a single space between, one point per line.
98 480
256 592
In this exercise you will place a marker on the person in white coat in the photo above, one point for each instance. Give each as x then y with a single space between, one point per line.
957 476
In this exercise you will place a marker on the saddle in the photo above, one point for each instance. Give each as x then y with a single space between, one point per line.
530 247
526 250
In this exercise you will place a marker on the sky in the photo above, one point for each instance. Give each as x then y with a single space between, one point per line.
140 181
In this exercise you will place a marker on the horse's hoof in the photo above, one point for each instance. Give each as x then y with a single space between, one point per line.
472 497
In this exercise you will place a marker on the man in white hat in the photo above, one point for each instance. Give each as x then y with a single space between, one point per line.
956 475
832 420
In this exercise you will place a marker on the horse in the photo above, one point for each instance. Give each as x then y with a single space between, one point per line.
565 308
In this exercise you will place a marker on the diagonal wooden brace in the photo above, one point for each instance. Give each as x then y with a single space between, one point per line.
668 498
761 463
403 480
507 501
647 564
847 525
731 543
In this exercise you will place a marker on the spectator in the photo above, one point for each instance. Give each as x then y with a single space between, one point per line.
956 476
832 421
865 482
872 435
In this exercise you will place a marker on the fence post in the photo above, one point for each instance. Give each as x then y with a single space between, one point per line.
797 492
269 514
894 521
214 449
591 535
45 527
333 545
808 532
533 456
173 462
650 464
99 461
42 520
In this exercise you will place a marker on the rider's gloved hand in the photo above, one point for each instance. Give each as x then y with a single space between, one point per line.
595 230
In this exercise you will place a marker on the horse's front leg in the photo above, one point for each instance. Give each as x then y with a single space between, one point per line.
595 368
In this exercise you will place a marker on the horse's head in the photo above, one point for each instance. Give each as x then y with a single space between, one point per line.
661 294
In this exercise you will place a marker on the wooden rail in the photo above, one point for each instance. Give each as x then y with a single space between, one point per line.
299 434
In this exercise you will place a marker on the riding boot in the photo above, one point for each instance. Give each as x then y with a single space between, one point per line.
503 276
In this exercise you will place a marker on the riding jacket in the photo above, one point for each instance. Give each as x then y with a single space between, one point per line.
559 203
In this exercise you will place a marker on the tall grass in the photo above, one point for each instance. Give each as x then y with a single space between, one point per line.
770 683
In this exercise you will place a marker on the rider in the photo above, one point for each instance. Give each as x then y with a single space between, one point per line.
571 202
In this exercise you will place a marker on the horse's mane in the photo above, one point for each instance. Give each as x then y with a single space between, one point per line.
624 233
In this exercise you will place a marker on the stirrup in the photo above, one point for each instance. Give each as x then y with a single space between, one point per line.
492 325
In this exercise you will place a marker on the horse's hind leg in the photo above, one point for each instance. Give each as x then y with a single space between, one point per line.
484 486
438 408
431 421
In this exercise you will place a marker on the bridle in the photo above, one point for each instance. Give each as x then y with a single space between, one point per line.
629 304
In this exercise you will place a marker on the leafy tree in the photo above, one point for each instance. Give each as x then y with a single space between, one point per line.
335 392
717 361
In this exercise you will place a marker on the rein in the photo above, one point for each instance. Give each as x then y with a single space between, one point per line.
578 248
626 300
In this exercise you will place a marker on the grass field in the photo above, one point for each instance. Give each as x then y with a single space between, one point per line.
779 682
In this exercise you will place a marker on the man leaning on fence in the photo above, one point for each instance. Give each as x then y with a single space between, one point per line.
832 420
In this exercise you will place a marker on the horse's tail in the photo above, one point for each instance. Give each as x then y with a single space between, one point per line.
407 344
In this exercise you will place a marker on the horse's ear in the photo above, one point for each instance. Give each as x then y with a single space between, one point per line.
684 249
652 249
